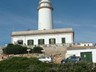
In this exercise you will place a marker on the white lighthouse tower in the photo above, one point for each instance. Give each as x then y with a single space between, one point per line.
45 36
45 20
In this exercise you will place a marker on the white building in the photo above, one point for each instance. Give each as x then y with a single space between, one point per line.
83 44
53 38
1 51
45 20
45 34
86 53
86 44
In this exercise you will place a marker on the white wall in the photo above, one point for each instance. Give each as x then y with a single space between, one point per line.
77 53
1 51
58 37
45 19
86 44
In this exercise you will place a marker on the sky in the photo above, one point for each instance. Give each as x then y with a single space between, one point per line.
20 15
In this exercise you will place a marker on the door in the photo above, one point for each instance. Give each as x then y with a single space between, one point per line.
86 56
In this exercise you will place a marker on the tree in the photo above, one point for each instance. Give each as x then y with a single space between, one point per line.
37 49
14 49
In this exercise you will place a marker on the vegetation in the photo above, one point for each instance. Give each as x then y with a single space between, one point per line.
18 49
33 65
14 49
22 64
37 49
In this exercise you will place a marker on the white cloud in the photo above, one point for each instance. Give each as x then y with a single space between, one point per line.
8 19
66 23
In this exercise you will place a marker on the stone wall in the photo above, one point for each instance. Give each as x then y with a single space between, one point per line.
57 53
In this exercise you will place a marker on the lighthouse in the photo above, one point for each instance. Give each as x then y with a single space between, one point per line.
45 20
45 35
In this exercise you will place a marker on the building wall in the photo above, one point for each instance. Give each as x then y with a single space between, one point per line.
1 51
86 44
68 37
45 19
77 53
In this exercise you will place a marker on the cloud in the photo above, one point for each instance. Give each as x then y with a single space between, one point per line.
92 25
12 20
75 23
66 23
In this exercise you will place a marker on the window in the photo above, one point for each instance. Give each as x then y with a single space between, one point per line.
41 41
30 42
63 40
52 41
20 42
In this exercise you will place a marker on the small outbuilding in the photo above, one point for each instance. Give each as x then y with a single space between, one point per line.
87 53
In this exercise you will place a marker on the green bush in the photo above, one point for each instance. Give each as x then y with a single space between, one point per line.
37 49
17 64
14 49
21 64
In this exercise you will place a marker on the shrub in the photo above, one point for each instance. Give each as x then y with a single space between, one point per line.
18 64
37 49
22 64
14 49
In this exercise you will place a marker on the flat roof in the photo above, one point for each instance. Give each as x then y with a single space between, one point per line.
80 47
38 32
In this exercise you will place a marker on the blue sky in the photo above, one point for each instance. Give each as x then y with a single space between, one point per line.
19 15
